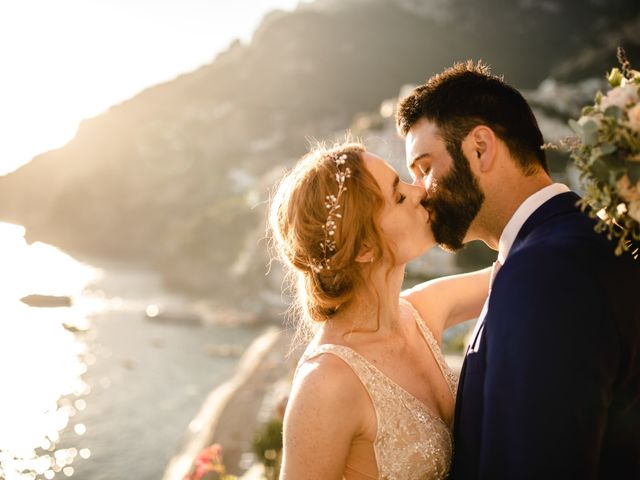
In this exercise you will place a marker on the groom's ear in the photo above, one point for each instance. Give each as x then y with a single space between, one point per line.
481 146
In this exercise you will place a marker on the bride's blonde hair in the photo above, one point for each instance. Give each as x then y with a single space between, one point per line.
325 280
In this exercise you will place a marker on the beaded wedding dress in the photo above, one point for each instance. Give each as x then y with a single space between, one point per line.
412 441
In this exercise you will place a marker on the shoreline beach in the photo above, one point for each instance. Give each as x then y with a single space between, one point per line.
232 411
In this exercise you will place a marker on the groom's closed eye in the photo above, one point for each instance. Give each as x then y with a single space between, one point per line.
420 165
420 171
423 169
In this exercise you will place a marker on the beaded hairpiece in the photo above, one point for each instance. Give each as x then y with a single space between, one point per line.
328 246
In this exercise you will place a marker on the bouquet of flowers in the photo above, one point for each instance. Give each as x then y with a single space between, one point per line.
606 151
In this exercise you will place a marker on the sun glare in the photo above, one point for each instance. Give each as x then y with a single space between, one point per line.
73 59
64 61
38 268
41 360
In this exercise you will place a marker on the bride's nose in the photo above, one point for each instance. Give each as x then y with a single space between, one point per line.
418 194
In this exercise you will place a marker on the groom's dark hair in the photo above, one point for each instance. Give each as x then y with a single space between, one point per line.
467 95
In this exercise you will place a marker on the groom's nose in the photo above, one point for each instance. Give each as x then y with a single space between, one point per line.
421 181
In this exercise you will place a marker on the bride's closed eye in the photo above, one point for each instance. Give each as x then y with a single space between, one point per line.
401 198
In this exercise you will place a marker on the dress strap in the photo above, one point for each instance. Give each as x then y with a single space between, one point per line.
338 350
360 366
448 374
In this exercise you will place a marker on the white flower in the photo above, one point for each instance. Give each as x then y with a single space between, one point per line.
620 97
595 118
634 117
634 210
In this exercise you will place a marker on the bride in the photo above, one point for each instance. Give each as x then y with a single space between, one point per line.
372 397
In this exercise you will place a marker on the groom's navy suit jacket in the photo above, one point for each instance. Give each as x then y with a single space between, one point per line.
553 390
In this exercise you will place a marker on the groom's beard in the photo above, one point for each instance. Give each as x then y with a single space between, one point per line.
454 203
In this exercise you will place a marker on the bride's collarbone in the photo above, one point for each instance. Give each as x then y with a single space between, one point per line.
409 368
402 355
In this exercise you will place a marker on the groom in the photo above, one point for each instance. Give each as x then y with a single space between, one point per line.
550 386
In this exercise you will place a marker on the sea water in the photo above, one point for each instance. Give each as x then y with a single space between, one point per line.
98 390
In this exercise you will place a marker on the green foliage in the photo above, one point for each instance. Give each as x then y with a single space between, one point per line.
267 445
606 152
454 339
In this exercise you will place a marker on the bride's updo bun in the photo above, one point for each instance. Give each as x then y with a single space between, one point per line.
319 246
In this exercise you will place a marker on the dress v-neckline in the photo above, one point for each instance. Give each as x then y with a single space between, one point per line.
432 345
432 412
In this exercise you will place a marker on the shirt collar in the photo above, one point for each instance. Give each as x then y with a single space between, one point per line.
521 215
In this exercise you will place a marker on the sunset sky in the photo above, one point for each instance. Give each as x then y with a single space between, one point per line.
66 60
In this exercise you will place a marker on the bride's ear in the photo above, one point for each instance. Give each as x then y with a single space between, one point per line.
366 254
480 146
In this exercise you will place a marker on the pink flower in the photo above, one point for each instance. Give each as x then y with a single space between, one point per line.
620 97
634 117
626 190
209 460
634 210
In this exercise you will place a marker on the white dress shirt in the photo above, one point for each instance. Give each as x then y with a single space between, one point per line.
522 214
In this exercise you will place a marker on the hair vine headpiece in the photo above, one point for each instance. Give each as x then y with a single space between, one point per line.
328 246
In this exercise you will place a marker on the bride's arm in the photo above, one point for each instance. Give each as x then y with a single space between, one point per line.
320 420
447 301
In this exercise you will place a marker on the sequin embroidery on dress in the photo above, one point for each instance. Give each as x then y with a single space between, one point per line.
412 442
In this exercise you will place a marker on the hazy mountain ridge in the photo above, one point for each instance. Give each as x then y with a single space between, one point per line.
179 175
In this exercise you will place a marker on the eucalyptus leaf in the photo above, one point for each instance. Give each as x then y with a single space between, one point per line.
616 174
590 126
608 148
613 112
633 170
614 162
600 169
575 126
590 133
590 137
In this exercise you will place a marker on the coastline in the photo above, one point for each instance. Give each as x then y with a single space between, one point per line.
234 410
231 413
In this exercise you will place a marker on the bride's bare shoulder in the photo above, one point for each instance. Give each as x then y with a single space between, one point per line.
327 374
324 393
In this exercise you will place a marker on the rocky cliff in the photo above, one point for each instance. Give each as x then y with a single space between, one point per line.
179 175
